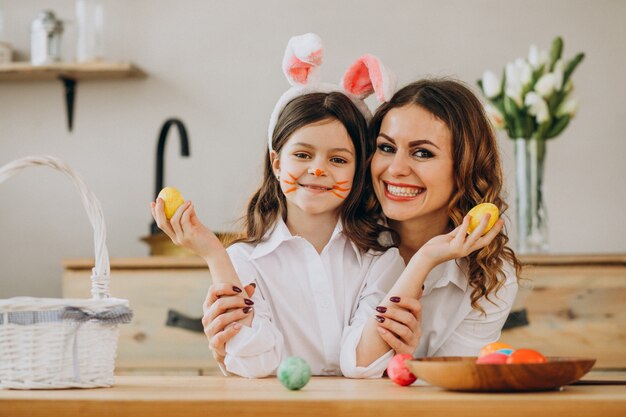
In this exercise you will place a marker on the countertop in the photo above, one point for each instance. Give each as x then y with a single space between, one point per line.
323 396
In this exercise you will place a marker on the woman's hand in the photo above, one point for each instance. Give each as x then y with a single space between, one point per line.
399 324
185 229
223 308
457 243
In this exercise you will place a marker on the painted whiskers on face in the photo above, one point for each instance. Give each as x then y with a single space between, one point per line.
336 189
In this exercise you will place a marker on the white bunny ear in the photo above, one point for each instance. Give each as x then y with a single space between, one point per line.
368 75
302 59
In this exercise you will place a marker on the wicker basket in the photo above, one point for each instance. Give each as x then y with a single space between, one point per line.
50 343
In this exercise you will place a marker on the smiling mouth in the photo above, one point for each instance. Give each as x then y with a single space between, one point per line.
403 191
315 187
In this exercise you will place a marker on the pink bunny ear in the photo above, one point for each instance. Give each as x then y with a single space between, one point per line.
302 59
368 75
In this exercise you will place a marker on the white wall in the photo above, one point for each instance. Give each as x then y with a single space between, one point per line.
216 64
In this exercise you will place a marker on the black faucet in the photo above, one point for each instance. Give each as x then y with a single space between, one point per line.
184 151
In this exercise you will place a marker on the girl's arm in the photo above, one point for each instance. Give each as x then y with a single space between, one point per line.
186 230
456 244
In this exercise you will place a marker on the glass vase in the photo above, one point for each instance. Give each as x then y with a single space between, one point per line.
531 215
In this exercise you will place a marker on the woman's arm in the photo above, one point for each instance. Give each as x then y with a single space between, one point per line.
456 244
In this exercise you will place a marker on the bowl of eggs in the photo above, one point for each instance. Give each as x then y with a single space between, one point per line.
501 368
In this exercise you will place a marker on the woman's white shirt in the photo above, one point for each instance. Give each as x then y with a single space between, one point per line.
450 326
309 304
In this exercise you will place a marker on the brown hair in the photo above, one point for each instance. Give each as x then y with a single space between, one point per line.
359 219
477 170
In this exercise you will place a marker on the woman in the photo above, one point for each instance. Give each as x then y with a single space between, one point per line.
435 157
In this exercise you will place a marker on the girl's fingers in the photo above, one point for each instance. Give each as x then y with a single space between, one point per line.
405 306
250 289
175 220
478 232
162 221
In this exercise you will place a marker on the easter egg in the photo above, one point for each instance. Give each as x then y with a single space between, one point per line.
492 358
398 371
526 356
294 373
494 347
478 212
172 198
506 352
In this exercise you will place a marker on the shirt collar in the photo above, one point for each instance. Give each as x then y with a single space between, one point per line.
280 233
446 273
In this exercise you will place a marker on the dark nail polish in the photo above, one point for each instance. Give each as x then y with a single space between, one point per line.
248 302
379 319
247 309
253 284
423 286
381 309
394 299
236 289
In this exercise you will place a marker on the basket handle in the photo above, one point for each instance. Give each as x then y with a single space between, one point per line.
101 272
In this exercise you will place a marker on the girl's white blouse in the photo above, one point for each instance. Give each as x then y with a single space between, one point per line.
309 304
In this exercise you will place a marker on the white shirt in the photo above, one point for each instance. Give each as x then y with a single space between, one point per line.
309 304
450 326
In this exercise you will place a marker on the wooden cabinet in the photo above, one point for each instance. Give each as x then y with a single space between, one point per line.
154 286
576 306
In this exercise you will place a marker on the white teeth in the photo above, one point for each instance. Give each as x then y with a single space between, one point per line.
404 191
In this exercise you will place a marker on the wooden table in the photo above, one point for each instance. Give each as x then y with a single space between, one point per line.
232 397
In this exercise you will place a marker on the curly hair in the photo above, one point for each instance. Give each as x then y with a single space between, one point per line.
477 170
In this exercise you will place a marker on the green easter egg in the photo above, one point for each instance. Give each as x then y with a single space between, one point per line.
294 373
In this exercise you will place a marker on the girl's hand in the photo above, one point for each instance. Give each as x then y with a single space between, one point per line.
185 229
400 323
457 243
223 308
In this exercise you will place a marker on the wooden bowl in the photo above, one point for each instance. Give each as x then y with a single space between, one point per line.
463 374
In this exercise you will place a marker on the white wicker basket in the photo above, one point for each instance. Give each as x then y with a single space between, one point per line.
50 343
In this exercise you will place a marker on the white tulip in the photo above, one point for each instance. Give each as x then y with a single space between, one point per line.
525 71
491 84
546 85
569 107
537 58
558 74
537 107
494 116
513 85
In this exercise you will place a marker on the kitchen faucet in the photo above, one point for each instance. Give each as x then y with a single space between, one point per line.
160 169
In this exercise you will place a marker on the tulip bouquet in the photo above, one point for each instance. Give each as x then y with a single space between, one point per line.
533 97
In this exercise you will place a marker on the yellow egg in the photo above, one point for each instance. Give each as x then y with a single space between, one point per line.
478 212
172 198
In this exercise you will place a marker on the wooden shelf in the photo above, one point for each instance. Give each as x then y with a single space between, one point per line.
24 71
69 74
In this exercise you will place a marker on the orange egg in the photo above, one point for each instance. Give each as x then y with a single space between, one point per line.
493 347
526 356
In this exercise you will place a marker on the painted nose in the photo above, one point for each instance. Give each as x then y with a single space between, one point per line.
317 172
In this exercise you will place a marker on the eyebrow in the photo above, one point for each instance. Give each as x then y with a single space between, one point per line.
412 143
306 145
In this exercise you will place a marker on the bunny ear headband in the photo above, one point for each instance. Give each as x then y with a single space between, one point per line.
301 64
